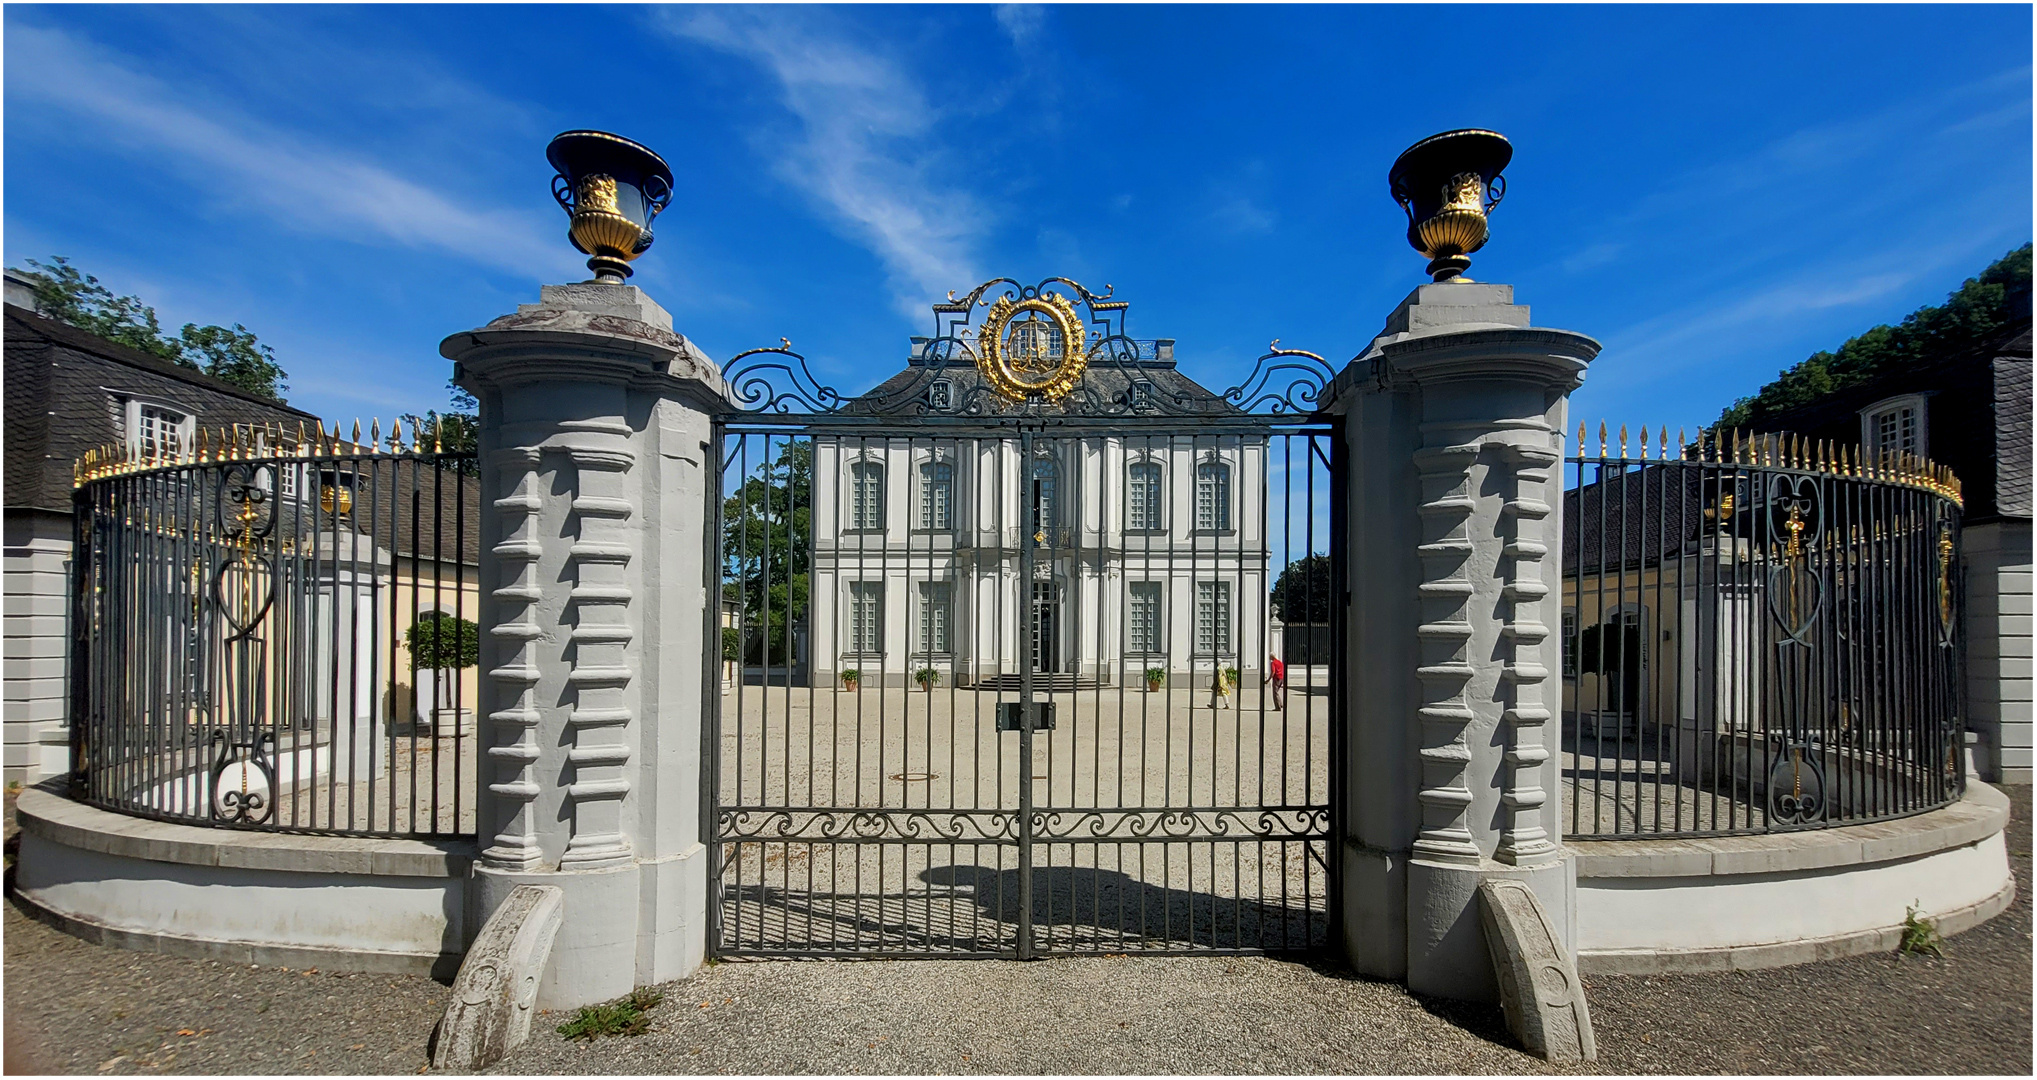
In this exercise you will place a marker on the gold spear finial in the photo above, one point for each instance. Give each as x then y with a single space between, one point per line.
356 447
1682 440
396 435
438 435
1623 442
1602 438
1644 442
375 435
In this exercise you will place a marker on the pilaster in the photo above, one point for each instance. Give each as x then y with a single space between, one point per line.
594 417
1453 421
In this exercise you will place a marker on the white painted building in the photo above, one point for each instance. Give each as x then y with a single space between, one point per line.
1148 551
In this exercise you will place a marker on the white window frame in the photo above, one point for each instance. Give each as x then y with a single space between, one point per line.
1569 642
927 520
1156 509
133 409
1870 423
1213 615
936 618
865 515
1218 488
853 631
1155 641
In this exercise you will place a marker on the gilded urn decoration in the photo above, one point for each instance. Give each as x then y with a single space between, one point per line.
612 188
1449 184
1032 347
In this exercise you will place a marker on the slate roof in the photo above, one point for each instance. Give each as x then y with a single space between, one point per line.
60 401
1633 519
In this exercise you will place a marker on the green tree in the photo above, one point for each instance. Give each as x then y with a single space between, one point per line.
1301 594
443 641
235 356
1977 309
767 529
455 431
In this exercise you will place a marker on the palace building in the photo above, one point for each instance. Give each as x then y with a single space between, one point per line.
1145 551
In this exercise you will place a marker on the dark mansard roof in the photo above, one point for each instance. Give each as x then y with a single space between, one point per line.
1149 380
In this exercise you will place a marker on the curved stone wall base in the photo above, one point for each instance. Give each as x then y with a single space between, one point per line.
1766 901
335 903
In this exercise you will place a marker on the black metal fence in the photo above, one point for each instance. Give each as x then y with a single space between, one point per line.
1758 635
275 630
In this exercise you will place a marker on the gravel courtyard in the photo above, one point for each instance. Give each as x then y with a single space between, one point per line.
78 1008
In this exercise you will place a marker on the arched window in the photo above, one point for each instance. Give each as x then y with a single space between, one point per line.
866 495
1145 499
1213 496
1045 493
936 495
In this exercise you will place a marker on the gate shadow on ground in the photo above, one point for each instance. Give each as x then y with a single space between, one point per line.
1091 909
975 909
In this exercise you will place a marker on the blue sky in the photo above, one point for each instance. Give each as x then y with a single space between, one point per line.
1713 192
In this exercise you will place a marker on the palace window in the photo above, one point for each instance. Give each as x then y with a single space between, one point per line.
1143 497
1895 426
1213 618
866 495
936 613
1569 646
1213 496
936 495
160 431
1143 628
866 616
941 395
1046 481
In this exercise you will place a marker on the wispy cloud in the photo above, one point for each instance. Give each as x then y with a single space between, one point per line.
1240 214
1021 22
243 163
865 148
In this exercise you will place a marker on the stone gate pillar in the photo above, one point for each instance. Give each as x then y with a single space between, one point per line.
1453 422
594 451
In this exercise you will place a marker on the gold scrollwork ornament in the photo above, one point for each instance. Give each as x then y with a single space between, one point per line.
1023 370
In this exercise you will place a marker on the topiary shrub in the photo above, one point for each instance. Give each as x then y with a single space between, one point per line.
443 641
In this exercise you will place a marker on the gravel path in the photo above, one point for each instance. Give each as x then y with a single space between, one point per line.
73 1007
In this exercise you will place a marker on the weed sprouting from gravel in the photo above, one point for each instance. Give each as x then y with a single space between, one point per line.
1920 934
624 1016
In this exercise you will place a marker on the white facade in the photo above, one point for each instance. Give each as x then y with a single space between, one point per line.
1997 629
1149 552
38 573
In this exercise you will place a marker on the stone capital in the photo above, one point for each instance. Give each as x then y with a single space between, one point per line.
587 333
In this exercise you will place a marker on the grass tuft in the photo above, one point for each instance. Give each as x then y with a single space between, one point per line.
624 1016
1920 934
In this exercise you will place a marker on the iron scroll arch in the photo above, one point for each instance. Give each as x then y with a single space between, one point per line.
1116 380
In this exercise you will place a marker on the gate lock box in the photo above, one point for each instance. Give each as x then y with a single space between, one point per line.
1008 713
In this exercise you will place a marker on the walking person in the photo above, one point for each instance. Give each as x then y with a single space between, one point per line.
1279 671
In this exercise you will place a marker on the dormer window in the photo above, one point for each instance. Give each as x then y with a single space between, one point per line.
159 431
941 395
1143 395
1895 425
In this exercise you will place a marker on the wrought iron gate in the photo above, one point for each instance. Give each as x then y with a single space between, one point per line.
999 669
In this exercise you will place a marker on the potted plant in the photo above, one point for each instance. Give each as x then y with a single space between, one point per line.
1155 678
851 678
926 677
440 646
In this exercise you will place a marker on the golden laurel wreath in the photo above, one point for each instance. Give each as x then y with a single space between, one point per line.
1021 375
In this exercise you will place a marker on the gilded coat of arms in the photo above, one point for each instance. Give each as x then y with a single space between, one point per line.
1032 348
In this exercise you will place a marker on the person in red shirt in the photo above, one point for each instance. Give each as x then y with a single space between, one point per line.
1279 671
